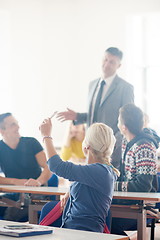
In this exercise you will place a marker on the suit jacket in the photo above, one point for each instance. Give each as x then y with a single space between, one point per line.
119 93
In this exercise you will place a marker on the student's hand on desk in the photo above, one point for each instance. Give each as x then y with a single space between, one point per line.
32 182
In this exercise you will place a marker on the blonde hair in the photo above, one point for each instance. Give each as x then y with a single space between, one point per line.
101 140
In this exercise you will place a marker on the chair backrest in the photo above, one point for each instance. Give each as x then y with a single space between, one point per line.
53 181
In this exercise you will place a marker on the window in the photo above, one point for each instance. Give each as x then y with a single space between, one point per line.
143 63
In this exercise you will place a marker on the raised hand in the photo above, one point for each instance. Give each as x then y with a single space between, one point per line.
46 127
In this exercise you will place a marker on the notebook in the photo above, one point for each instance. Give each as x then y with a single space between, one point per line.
24 230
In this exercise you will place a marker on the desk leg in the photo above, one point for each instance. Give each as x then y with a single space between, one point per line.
121 211
33 212
141 225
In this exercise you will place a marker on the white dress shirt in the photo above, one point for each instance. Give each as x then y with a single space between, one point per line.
105 89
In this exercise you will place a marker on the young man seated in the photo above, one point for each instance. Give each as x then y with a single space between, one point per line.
138 168
21 160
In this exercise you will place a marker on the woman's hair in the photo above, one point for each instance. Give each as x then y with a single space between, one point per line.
101 140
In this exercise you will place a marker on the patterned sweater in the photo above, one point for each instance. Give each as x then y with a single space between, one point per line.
139 171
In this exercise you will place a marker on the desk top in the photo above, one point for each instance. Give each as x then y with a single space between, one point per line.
155 197
34 190
137 196
67 234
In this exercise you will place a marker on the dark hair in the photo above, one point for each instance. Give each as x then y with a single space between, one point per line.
2 117
132 117
115 51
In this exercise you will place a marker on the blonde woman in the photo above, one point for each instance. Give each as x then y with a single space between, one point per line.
91 194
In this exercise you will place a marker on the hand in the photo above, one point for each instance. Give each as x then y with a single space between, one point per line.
32 182
46 127
64 200
67 115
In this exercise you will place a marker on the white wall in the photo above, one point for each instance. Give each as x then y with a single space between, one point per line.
51 49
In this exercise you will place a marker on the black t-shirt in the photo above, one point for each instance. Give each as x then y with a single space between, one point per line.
21 162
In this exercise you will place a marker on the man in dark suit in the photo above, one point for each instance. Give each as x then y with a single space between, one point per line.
107 95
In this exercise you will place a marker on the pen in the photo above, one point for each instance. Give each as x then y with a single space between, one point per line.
53 114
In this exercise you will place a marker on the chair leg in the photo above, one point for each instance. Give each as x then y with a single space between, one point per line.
152 228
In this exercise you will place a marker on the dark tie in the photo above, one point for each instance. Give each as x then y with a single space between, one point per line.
98 101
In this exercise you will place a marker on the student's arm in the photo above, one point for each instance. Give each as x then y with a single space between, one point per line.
46 173
84 174
12 181
142 183
66 150
67 170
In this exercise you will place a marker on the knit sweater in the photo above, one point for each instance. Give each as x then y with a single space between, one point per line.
138 172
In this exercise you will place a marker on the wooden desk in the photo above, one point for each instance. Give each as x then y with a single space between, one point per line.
34 190
150 197
124 211
134 212
33 208
67 234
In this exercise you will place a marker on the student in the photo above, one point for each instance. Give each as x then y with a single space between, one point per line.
138 170
90 196
22 159
72 148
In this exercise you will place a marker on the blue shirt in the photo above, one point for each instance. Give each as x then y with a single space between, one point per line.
90 194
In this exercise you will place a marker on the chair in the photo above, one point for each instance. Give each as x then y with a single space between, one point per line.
51 215
53 182
52 207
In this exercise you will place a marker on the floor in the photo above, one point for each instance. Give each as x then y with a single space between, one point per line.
133 235
157 235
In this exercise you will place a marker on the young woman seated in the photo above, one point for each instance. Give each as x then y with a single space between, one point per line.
72 147
86 205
